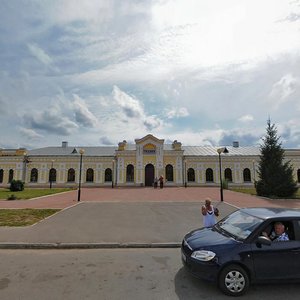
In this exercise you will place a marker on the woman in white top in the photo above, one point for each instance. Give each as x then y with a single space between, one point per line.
209 214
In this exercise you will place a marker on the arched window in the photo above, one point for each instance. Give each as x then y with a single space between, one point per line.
10 175
108 175
71 175
247 175
1 175
34 175
89 175
209 175
130 173
191 175
298 175
52 175
228 174
169 173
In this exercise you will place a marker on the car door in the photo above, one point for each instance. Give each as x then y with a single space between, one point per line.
278 260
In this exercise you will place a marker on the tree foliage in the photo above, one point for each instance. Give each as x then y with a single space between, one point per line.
275 174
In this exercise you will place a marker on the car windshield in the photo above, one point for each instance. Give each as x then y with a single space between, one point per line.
239 224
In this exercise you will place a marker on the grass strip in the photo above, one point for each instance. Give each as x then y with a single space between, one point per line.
31 193
252 191
24 217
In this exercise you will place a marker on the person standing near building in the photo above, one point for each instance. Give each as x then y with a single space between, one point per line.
161 181
209 213
155 182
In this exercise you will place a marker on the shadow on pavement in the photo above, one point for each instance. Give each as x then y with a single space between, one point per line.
188 287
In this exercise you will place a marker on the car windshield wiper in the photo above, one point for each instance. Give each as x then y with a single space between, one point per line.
218 228
225 232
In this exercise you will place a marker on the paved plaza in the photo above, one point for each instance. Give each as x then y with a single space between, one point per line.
123 217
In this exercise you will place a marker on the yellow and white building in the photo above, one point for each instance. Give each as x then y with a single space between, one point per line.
135 164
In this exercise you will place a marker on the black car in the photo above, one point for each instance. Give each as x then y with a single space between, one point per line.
234 253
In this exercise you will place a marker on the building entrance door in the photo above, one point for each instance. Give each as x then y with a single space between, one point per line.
149 175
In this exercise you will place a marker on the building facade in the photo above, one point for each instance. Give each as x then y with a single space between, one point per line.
135 164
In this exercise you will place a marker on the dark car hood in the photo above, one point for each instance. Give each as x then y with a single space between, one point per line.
203 237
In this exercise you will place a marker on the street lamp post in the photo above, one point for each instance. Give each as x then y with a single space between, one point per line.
81 151
254 179
25 161
112 175
185 175
221 150
50 173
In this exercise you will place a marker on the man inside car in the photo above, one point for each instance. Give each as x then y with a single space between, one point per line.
278 234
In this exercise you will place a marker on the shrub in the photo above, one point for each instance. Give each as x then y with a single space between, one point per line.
11 197
16 185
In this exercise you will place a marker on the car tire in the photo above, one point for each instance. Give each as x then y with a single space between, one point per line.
234 280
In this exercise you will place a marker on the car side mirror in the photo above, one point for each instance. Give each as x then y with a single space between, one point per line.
264 241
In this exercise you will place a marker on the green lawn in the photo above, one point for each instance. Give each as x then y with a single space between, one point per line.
28 193
24 217
252 191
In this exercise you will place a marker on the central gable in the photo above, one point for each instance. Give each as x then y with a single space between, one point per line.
150 140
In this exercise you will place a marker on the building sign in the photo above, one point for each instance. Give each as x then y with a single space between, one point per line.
149 149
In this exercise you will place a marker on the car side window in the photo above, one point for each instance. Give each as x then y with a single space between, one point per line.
289 229
276 232
297 230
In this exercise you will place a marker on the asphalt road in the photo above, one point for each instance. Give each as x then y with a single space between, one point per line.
112 274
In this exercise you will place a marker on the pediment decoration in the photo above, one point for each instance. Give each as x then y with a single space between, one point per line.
149 149
149 139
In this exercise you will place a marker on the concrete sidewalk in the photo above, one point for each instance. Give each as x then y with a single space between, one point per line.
136 217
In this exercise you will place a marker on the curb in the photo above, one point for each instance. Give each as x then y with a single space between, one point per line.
87 245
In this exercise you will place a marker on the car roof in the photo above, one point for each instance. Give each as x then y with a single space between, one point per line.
271 212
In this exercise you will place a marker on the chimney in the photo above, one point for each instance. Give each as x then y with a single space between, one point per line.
64 144
235 144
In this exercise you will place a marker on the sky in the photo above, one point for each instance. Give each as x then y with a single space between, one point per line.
97 72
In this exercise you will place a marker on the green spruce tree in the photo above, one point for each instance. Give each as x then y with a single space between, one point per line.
275 174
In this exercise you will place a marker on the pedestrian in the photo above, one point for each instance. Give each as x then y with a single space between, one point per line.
209 213
161 181
155 182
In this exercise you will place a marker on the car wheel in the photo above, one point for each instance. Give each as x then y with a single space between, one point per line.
233 280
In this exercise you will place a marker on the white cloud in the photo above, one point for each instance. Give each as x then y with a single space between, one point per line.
170 73
125 117
177 113
192 138
51 121
30 133
246 118
289 132
82 113
130 106
39 54
282 89
202 28
152 122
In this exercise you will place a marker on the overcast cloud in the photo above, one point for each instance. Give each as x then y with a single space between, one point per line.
206 72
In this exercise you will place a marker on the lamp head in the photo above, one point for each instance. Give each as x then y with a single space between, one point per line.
222 150
81 151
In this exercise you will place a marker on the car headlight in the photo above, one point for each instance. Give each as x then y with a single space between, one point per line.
203 255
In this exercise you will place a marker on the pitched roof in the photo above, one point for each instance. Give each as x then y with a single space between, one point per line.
110 150
70 151
212 151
